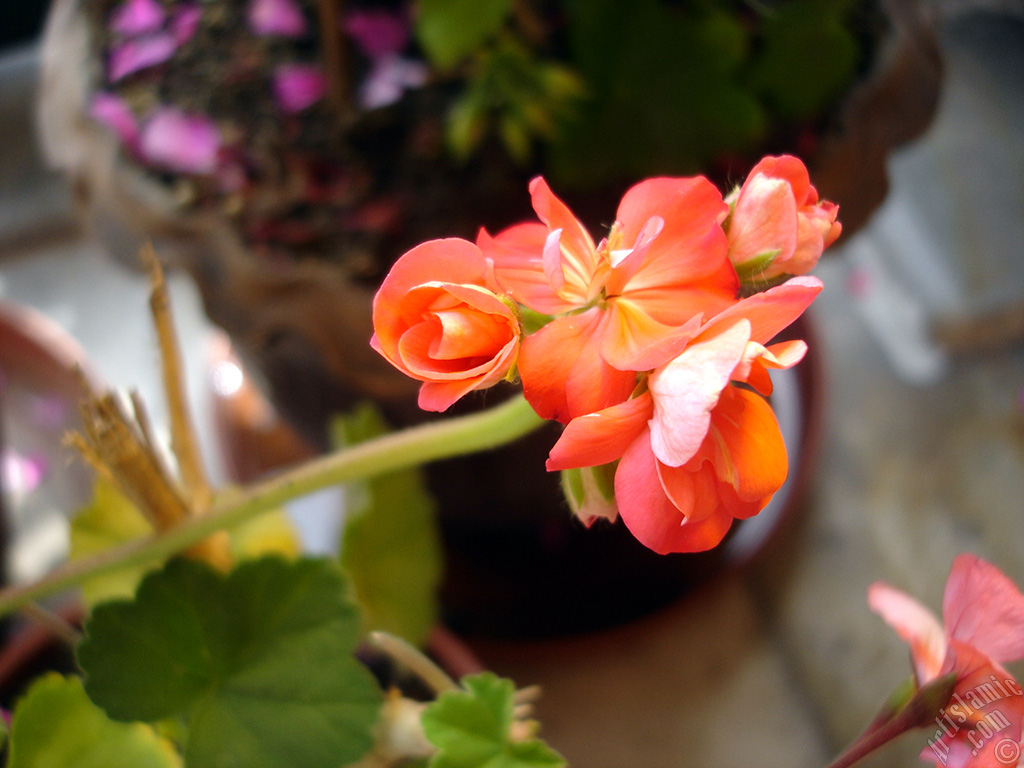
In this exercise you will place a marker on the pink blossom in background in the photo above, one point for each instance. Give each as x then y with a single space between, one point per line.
298 86
276 17
140 53
137 17
22 474
113 112
389 78
381 36
49 411
180 142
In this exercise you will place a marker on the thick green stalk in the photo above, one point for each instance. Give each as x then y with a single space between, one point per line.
418 445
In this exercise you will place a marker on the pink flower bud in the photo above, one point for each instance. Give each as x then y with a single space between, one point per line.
590 493
777 225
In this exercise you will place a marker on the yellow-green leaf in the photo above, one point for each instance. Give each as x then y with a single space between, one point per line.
56 725
391 546
109 521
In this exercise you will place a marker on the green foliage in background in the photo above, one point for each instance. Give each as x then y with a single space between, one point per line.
391 547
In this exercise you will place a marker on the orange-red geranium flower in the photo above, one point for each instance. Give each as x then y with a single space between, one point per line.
626 304
777 225
696 452
437 319
983 613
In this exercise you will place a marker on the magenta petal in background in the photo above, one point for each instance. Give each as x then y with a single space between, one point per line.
378 33
185 22
180 142
114 113
276 17
137 17
139 54
297 86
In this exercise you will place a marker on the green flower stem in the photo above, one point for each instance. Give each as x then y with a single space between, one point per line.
415 660
417 445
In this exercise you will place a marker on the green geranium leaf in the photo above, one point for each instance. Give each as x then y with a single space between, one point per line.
450 30
471 728
257 663
56 725
390 546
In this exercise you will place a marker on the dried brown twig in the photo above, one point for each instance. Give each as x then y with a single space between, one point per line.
120 445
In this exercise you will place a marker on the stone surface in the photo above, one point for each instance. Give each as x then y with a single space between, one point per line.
699 683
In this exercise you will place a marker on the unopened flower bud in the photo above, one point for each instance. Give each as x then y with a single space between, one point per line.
777 227
590 492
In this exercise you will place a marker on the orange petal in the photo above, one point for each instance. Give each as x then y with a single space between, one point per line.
681 279
764 220
757 359
468 334
634 341
649 513
758 378
690 208
688 253
983 608
454 260
563 373
772 310
750 454
793 170
915 624
602 437
437 396
580 254
785 354
693 491
687 389
517 256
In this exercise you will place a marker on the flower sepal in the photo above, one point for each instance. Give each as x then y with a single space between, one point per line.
760 263
909 706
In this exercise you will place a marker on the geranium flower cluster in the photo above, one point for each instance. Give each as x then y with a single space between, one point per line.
653 345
